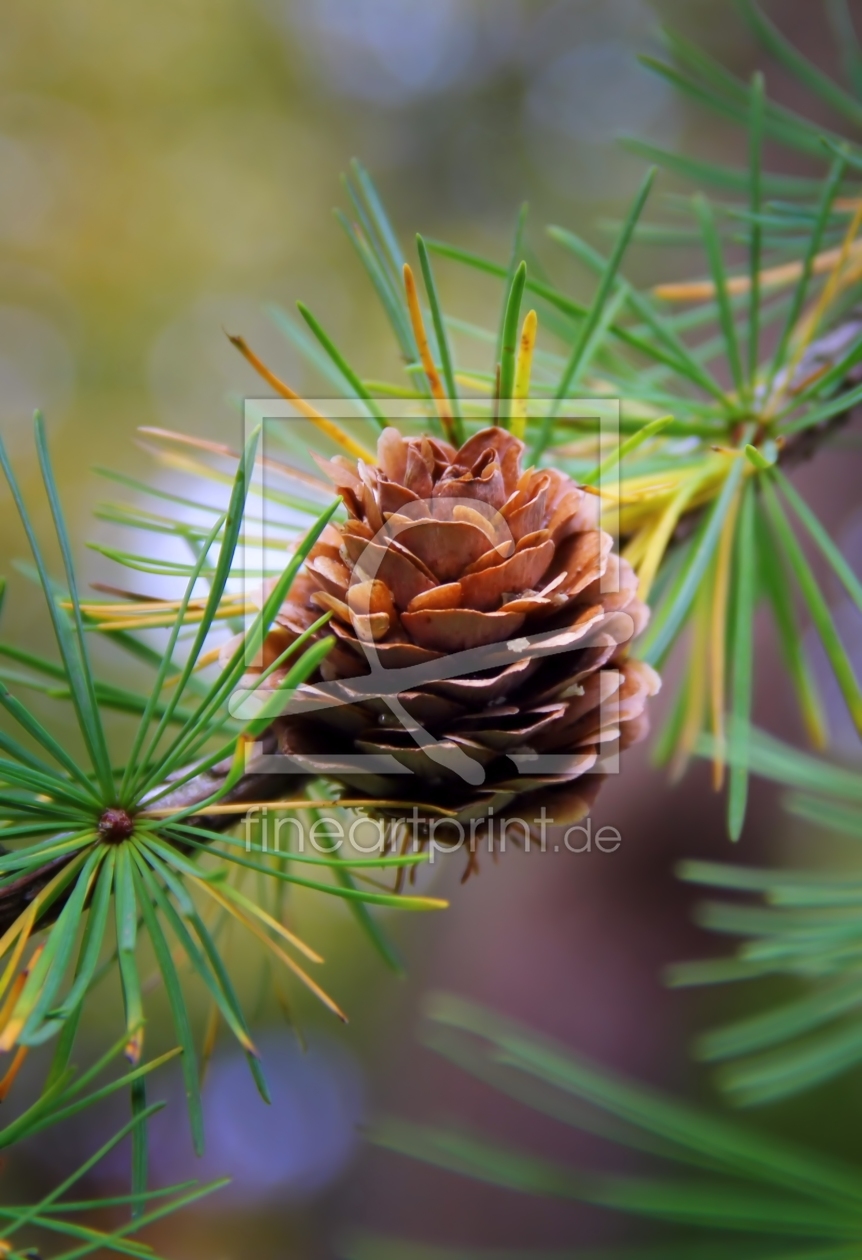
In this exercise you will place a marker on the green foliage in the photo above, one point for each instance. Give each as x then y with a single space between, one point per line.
764 1197
804 929
89 838
695 485
66 1093
58 1217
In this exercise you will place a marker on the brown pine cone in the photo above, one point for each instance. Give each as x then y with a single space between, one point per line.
481 624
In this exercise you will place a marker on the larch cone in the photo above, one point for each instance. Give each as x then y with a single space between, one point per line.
482 629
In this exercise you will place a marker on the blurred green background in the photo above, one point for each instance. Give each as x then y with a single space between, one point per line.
167 170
